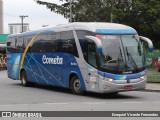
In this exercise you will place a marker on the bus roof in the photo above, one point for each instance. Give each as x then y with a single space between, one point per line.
96 27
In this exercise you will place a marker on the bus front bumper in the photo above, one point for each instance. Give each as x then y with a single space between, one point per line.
122 85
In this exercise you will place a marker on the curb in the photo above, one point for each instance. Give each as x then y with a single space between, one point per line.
149 90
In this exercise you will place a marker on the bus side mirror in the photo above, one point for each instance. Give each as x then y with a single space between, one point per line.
149 42
96 41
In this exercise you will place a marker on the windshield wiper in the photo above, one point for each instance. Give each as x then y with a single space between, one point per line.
119 60
139 46
131 59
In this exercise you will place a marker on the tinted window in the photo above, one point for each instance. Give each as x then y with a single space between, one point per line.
27 40
83 42
55 42
11 45
38 43
16 44
45 46
19 44
68 43
46 43
91 54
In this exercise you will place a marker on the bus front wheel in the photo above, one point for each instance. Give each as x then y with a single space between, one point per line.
24 80
75 86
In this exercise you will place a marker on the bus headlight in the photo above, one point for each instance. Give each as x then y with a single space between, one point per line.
143 77
105 78
109 79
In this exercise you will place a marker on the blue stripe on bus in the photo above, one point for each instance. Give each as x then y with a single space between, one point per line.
116 31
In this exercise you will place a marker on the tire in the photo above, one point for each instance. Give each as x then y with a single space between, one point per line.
75 86
24 80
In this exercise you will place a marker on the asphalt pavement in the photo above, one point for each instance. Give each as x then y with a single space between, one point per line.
153 87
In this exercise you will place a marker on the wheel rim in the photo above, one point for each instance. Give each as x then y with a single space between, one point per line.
77 86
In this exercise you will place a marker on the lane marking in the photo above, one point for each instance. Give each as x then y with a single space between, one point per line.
14 104
36 104
85 103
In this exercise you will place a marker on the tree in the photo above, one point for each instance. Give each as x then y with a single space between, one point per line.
82 10
143 15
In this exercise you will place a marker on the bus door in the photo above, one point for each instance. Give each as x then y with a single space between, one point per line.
92 65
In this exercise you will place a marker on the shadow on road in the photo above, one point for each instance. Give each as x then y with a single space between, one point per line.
120 95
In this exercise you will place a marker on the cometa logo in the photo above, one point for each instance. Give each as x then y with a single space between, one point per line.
48 60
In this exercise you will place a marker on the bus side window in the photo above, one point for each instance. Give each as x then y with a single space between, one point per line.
52 46
82 40
68 43
11 45
45 43
19 44
37 45
52 43
27 40
91 54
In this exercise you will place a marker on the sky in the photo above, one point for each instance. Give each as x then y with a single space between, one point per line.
38 15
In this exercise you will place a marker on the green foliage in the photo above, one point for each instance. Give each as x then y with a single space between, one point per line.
143 15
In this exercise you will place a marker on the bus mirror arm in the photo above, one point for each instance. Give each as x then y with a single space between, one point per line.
96 41
150 44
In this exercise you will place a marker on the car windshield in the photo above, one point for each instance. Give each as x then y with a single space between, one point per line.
121 52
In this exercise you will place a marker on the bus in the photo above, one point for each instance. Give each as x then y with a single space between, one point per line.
82 56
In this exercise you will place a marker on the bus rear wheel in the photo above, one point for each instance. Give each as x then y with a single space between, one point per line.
24 80
75 86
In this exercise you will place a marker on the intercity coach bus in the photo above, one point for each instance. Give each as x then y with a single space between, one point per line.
93 56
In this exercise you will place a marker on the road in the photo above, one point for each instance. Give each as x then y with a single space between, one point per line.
15 97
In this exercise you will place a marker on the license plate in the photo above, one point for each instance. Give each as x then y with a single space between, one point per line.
129 87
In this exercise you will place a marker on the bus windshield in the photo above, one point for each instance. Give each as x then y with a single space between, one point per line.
121 53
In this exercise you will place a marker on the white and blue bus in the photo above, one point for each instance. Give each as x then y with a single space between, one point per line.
95 57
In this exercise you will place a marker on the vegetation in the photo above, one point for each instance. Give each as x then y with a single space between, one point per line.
143 15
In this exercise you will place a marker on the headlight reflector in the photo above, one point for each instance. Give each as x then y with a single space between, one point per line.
109 79
143 77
